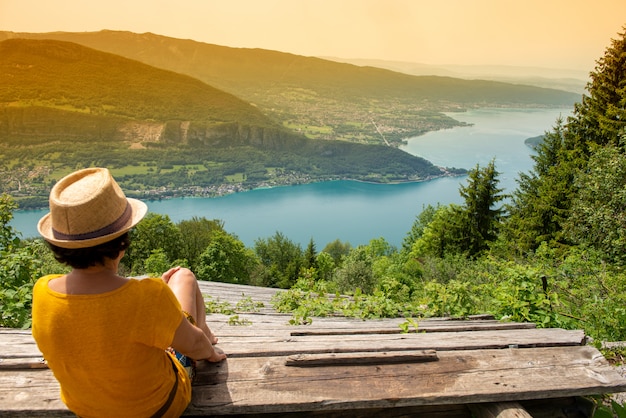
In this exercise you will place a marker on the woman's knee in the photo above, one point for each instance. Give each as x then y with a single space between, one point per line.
183 277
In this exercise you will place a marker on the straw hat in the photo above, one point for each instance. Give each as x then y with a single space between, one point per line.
88 208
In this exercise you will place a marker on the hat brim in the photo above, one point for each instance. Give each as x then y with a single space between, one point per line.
44 226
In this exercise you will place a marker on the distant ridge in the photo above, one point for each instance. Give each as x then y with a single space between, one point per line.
239 69
574 81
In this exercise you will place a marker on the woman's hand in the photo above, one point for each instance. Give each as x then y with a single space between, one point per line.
168 274
217 356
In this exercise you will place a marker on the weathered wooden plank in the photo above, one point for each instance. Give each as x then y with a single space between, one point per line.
499 410
442 341
22 363
265 384
359 359
242 345
30 393
448 326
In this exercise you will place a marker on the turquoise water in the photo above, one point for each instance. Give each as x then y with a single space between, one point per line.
358 212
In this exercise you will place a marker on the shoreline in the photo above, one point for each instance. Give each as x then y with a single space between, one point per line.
228 189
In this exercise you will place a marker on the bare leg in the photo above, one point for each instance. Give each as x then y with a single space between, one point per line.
185 286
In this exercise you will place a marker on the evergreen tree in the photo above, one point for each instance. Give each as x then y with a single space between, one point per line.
601 116
281 258
543 202
598 217
462 229
479 217
310 255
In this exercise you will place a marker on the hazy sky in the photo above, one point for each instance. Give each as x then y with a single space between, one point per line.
541 33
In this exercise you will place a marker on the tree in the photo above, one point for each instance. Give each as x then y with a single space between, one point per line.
154 232
325 266
281 258
8 235
543 202
356 271
197 233
157 263
337 250
226 259
22 262
440 236
598 215
419 225
310 255
479 217
601 116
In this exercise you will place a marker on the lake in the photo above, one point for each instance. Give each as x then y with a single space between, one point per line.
357 212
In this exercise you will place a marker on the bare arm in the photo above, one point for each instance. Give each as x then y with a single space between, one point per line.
194 343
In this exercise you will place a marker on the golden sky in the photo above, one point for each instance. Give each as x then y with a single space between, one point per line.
570 34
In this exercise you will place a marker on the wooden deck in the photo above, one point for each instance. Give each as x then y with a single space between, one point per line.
346 367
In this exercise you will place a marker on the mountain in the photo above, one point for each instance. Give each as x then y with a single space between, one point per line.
64 105
89 85
318 97
574 81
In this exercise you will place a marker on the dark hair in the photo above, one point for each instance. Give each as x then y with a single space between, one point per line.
81 258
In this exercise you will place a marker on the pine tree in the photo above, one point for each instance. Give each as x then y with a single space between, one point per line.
542 204
479 215
601 116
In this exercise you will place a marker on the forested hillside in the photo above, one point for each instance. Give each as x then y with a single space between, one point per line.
320 98
64 106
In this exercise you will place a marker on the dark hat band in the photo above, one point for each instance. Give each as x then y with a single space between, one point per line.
112 228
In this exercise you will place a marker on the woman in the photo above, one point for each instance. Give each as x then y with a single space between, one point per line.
117 346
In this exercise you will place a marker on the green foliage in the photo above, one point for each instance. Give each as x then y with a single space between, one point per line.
601 116
157 263
197 234
467 229
409 324
356 271
235 320
18 268
154 232
597 218
422 221
520 297
439 236
337 250
324 266
607 408
247 304
454 299
541 203
545 199
216 306
479 217
225 259
281 258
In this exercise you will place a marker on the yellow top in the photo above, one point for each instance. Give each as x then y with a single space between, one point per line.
108 350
